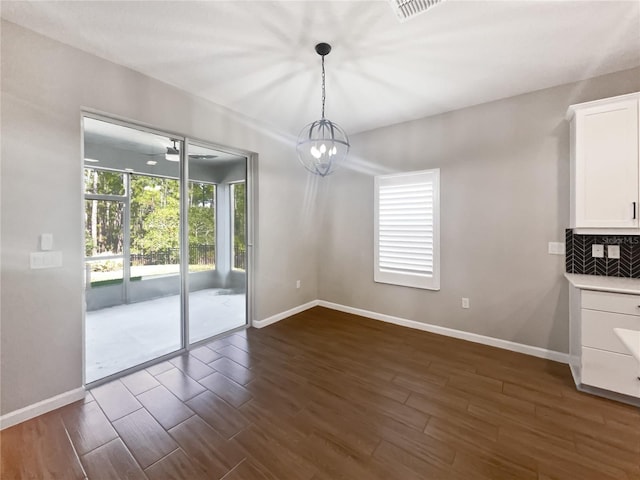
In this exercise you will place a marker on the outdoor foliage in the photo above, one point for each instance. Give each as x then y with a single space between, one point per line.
155 218
239 221
155 213
104 219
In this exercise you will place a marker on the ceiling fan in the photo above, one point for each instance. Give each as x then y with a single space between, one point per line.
173 154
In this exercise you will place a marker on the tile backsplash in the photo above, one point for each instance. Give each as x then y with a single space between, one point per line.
579 260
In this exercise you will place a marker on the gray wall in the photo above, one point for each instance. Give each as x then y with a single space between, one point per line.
44 86
504 196
504 193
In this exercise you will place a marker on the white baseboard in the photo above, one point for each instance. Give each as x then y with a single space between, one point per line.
450 332
281 316
23 414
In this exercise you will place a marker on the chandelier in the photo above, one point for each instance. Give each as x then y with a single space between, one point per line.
322 145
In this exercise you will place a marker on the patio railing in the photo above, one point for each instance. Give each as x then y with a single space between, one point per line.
239 259
198 255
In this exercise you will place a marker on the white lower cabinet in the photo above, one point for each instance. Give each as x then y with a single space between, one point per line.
597 329
611 371
598 357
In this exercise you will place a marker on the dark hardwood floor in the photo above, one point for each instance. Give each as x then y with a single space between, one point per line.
324 396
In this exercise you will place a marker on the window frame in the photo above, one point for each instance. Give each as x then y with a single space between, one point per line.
406 279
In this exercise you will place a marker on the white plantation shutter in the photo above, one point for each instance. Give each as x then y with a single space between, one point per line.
407 229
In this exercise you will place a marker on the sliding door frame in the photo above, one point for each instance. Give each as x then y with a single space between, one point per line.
251 190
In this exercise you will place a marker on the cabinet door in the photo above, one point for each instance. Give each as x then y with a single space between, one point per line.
606 168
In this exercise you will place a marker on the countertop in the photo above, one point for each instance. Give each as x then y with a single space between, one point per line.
604 284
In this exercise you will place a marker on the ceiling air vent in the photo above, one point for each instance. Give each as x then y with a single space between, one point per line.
406 9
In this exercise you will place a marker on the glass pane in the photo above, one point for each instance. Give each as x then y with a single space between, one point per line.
202 226
239 226
103 227
217 300
103 182
155 226
132 317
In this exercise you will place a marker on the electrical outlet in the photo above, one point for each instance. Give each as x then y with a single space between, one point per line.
297 283
465 302
613 251
597 251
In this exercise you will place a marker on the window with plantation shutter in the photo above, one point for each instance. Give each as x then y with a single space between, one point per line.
407 223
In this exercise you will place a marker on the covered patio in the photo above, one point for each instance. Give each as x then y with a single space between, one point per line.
123 336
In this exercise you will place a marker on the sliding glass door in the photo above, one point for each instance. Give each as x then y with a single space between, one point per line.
159 272
217 289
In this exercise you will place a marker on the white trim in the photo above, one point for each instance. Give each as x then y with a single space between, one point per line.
450 332
31 411
427 327
281 316
603 101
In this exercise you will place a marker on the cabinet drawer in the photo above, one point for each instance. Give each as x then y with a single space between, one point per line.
611 302
597 329
611 371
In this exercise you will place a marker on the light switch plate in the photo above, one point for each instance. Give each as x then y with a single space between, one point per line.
557 248
613 251
597 251
39 260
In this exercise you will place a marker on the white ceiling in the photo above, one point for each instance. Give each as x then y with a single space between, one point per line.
257 57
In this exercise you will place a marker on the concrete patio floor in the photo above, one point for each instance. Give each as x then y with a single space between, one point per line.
121 337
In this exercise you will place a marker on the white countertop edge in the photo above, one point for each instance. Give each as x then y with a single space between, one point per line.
604 284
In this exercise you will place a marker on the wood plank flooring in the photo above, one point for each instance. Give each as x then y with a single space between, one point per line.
325 395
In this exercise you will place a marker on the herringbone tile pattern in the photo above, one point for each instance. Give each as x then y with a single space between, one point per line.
569 250
579 259
326 396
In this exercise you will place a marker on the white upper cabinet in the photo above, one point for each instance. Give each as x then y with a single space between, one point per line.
605 165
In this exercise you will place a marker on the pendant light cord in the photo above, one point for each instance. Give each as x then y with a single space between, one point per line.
323 88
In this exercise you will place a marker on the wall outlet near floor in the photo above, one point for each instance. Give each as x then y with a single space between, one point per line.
597 251
613 251
465 302
297 283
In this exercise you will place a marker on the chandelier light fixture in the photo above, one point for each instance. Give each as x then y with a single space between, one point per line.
322 145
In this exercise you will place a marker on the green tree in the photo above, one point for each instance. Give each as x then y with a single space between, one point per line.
239 224
103 218
155 216
155 213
